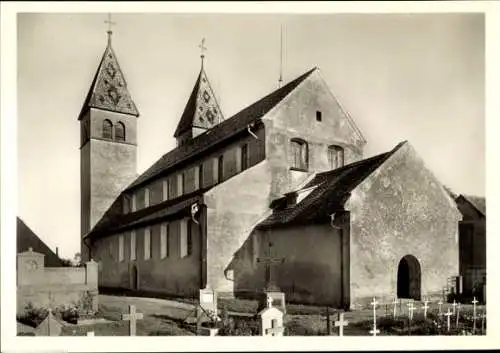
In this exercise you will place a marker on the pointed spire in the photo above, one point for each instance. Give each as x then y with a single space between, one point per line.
202 110
108 90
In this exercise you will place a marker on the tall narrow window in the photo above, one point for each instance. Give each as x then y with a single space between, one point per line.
133 248
244 157
120 131
164 240
147 243
147 198
220 168
164 184
107 129
183 243
121 250
215 170
335 156
198 173
300 154
134 202
180 184
319 116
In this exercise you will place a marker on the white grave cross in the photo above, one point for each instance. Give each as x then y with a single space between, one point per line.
458 314
340 323
454 306
411 308
132 316
425 308
474 302
448 316
375 330
440 306
394 312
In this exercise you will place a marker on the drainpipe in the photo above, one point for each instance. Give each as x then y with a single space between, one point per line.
203 245
249 126
341 231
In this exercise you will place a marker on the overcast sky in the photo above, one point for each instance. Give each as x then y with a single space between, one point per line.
401 77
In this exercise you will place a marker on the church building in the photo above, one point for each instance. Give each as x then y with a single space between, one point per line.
284 178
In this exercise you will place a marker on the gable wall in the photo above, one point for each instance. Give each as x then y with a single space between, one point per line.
401 209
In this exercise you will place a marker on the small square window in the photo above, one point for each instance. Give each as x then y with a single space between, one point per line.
318 115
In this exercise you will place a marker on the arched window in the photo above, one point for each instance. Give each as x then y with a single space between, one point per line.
335 156
300 154
120 131
107 129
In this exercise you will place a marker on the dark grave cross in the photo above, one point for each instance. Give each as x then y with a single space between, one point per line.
269 260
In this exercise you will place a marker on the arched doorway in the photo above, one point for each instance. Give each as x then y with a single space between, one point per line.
134 278
409 278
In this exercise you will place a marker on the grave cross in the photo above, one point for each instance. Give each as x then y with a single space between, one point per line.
394 313
425 308
474 302
448 316
268 261
340 323
440 303
411 308
132 316
375 330
458 314
454 306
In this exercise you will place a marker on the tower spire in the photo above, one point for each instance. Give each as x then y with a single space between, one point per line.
109 31
202 50
280 81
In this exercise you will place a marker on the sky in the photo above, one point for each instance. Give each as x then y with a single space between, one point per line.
417 77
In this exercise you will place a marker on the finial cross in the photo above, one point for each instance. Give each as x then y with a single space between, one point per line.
110 23
203 48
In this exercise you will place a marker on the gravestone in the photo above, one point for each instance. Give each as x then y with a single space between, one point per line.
132 316
271 320
50 326
208 300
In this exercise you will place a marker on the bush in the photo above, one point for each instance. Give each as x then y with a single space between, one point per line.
32 316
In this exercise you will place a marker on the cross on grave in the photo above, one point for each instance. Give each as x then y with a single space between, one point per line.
425 308
457 314
268 261
474 302
440 303
454 306
448 316
132 316
411 308
340 323
394 313
375 330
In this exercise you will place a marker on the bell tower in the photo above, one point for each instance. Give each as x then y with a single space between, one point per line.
108 147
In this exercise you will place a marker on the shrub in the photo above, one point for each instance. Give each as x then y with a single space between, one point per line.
32 316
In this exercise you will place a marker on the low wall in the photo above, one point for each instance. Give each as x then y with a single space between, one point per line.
57 287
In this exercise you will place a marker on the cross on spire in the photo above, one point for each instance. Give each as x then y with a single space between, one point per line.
203 49
110 24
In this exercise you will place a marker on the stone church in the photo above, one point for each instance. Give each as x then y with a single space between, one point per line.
285 178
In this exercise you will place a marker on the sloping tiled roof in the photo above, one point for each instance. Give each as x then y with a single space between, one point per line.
478 202
202 109
109 90
219 133
26 239
331 191
117 223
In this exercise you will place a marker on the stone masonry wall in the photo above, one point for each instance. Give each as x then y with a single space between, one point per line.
401 209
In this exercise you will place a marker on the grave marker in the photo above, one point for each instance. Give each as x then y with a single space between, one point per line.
448 316
271 320
394 312
425 308
340 323
374 331
132 316
411 308
474 302
50 326
208 301
440 303
454 306
458 314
